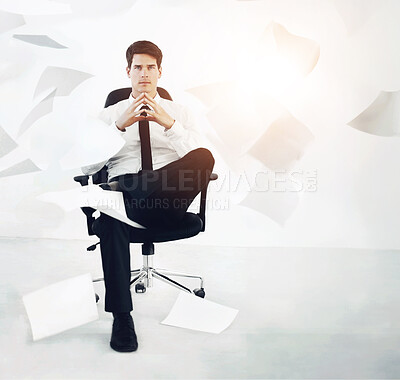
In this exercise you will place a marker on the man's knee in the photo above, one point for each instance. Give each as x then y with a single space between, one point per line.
204 158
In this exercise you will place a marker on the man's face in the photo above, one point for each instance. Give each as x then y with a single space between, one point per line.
144 74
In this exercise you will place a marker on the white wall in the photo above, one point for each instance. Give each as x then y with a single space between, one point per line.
356 202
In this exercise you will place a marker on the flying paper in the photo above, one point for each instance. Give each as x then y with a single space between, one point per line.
95 142
44 107
214 93
297 53
356 13
10 21
195 313
40 40
7 144
61 306
95 8
23 167
63 79
283 143
275 196
239 122
37 7
382 117
108 202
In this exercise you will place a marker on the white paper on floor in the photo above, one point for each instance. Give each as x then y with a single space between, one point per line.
195 313
107 202
61 306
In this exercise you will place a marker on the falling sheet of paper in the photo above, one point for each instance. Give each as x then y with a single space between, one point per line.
10 70
107 202
95 8
212 94
95 142
10 21
275 196
37 7
356 13
61 306
63 79
44 107
298 53
195 313
7 144
16 157
238 123
40 40
283 143
23 167
382 117
15 63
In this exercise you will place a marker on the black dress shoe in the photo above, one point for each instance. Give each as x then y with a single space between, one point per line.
123 336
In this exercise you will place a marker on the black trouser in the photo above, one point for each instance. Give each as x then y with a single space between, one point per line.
153 198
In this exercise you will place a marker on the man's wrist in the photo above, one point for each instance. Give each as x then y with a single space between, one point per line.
120 129
169 125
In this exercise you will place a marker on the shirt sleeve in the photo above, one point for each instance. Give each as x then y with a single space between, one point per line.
109 116
92 169
185 134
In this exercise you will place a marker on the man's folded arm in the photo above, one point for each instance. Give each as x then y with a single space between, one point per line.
185 135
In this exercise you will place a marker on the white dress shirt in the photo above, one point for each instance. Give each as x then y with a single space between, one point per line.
166 145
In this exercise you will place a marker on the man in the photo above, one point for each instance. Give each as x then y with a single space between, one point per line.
156 196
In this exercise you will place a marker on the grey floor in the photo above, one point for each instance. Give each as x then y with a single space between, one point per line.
303 314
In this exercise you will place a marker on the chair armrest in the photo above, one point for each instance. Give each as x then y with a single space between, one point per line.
88 211
213 176
82 179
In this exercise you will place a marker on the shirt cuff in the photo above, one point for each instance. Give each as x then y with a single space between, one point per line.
119 130
176 130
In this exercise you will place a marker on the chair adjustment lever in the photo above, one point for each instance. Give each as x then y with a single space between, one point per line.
92 247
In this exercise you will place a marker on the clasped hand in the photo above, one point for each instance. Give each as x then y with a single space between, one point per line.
132 114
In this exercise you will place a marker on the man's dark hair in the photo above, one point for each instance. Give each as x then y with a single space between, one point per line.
144 47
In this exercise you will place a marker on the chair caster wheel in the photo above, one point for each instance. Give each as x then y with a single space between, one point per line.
199 292
140 288
97 297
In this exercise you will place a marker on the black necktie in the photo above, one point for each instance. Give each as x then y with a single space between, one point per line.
145 148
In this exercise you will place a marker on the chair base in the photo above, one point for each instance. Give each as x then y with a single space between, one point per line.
143 278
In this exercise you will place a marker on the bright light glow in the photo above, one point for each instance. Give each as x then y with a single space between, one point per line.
273 75
279 74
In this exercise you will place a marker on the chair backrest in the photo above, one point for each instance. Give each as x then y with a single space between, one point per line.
123 93
114 97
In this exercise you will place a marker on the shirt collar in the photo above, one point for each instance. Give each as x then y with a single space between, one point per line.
131 99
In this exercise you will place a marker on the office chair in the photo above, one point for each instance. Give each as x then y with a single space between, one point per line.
191 225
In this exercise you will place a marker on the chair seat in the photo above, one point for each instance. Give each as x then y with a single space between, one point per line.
190 226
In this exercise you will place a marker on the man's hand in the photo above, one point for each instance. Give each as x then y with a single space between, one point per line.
158 113
130 116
